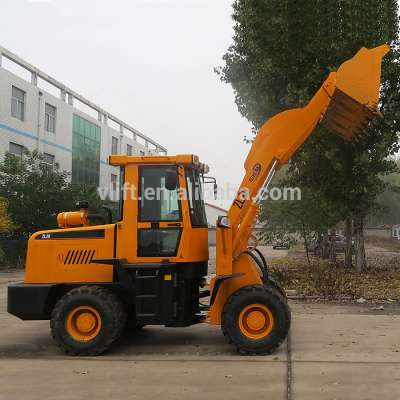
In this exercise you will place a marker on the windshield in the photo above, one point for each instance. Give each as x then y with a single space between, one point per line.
194 184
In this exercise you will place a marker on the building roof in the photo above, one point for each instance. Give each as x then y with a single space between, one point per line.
36 72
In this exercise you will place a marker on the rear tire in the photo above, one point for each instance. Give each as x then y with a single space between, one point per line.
87 321
256 319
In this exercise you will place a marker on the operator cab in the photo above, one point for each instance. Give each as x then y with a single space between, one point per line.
161 200
162 236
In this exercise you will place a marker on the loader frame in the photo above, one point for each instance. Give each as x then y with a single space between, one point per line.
150 266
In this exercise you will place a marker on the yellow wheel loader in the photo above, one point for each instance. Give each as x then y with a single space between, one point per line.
150 266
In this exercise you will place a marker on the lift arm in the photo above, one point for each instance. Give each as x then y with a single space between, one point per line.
346 102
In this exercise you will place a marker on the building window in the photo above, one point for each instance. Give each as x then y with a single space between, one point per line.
128 149
18 103
114 182
86 141
50 118
48 161
16 149
114 145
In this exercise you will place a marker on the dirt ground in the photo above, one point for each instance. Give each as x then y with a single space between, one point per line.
325 279
268 252
335 351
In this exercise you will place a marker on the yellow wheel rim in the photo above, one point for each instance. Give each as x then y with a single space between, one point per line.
83 323
256 321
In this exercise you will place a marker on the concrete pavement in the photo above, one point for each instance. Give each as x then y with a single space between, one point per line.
345 352
337 352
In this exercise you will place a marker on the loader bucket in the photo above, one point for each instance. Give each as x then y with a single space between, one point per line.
355 100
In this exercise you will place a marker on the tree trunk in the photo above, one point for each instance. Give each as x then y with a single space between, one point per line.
361 261
318 248
307 246
325 246
348 254
332 251
308 255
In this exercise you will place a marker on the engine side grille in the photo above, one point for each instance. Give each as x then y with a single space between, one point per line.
78 257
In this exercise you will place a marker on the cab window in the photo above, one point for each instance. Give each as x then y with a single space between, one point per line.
157 202
194 183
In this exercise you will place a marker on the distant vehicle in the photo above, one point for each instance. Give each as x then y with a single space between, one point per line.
280 244
339 243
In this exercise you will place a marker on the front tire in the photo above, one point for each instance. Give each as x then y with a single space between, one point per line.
87 321
271 282
256 319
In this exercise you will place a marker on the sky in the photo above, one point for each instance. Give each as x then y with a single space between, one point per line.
149 62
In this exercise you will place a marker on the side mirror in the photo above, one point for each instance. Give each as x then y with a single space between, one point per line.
211 179
171 179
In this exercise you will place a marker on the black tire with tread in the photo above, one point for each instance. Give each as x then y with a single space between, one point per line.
252 294
271 282
111 312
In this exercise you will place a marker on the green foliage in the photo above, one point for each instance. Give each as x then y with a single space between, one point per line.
282 52
3 258
304 218
6 223
387 210
36 193
96 204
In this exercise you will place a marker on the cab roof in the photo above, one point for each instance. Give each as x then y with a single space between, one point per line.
179 159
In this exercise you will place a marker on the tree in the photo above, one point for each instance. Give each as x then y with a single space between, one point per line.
282 51
36 193
6 223
308 217
387 210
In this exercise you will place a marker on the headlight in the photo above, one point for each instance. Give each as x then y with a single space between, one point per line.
224 222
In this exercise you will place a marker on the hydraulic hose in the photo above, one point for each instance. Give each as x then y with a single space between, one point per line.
260 261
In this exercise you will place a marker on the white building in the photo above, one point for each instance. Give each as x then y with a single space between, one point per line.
45 115
212 213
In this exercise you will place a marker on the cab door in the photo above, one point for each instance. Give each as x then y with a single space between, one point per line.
160 220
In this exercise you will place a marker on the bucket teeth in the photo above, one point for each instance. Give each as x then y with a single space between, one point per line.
347 117
354 102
